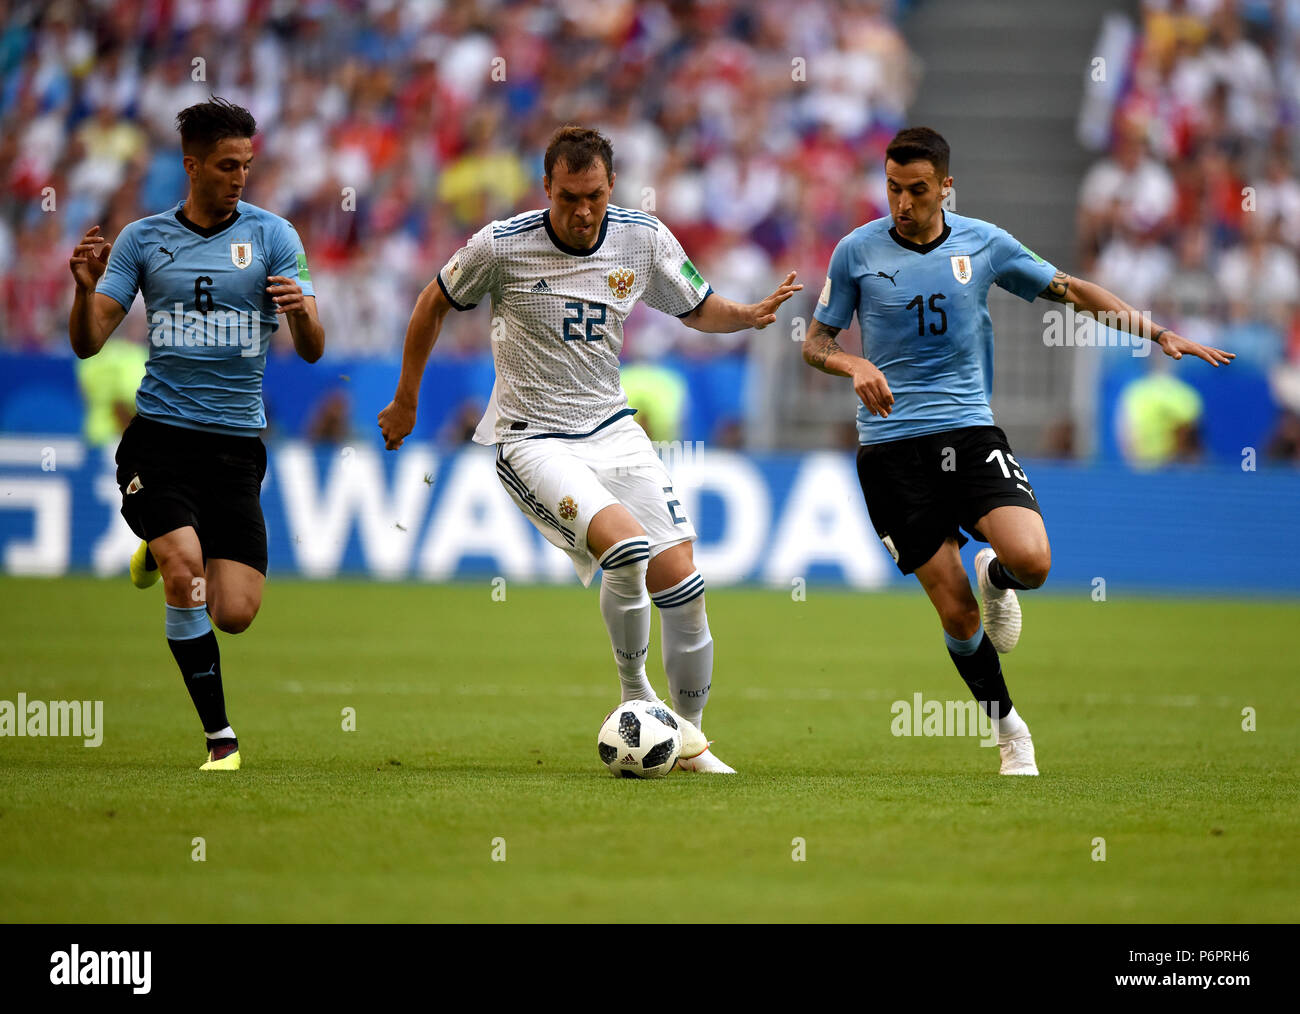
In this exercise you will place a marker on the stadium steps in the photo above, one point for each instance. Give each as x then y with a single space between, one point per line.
1004 83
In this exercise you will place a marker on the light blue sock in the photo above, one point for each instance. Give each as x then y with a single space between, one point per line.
185 624
966 647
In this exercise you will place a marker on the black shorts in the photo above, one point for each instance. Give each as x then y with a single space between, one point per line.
921 490
172 477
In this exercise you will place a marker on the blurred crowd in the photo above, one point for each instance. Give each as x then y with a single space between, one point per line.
390 131
1194 213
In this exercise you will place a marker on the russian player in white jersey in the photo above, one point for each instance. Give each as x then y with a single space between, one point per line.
562 281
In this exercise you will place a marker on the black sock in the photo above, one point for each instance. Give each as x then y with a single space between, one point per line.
200 665
221 748
1000 577
982 672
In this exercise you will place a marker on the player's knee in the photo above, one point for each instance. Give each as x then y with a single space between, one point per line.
184 583
960 617
233 617
623 567
233 612
610 526
964 624
1037 574
683 599
672 567
1032 569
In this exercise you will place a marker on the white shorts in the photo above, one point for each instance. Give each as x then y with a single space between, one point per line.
561 484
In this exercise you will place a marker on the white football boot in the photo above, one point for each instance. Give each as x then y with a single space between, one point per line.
705 763
1018 756
696 755
1000 606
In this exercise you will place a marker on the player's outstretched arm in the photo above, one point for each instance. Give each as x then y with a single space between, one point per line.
300 313
398 419
1089 297
820 349
94 315
718 315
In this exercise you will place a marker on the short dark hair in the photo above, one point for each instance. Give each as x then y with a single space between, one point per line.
206 123
579 148
920 143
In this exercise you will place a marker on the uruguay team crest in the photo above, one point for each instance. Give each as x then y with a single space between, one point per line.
620 282
961 268
241 254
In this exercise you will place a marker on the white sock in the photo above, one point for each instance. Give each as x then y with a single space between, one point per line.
687 646
226 733
1011 726
625 607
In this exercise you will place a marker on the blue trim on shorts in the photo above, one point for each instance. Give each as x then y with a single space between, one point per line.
578 436
510 478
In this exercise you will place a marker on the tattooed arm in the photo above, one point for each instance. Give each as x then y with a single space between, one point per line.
1110 310
820 349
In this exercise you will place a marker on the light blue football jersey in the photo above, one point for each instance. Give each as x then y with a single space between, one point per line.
209 315
924 315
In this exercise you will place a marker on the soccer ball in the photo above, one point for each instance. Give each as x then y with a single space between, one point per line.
640 739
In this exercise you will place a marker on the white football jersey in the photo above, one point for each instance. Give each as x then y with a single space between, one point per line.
558 312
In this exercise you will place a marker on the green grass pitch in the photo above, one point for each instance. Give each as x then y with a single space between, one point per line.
476 723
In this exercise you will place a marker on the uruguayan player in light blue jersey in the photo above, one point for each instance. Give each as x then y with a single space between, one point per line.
215 273
931 462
